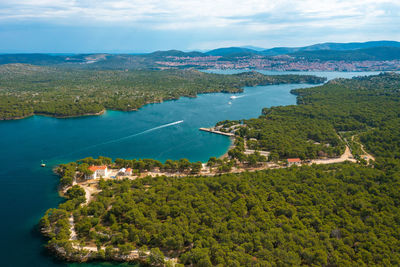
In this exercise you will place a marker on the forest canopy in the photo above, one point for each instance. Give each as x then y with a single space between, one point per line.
365 106
320 215
26 90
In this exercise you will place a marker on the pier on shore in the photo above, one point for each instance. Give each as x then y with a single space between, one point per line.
212 130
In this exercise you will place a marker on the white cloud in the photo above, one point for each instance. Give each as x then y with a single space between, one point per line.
212 23
192 13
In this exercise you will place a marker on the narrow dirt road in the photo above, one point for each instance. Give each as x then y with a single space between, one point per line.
366 156
346 156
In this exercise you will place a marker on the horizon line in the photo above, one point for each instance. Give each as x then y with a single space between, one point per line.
185 50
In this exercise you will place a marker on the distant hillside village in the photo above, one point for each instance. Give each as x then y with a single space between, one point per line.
368 56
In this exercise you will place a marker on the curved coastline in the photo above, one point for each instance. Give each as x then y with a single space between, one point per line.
233 90
128 112
88 254
106 109
87 250
54 116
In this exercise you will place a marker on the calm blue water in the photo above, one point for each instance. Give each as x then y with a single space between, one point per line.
328 74
27 190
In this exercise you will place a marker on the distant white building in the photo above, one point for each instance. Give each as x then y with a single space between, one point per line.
128 171
98 171
123 171
294 161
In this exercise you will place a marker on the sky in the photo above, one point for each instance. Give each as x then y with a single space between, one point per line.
135 26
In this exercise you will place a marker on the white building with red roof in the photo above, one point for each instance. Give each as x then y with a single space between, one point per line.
294 161
98 172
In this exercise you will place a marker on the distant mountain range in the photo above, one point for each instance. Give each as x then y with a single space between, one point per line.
37 59
233 51
43 59
374 51
175 53
289 50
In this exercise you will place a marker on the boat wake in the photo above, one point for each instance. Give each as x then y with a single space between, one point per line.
234 97
125 137
137 134
147 131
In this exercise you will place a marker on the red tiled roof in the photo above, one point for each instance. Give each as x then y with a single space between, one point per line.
294 160
128 170
95 168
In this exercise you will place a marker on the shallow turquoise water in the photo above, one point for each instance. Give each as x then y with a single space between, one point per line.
27 190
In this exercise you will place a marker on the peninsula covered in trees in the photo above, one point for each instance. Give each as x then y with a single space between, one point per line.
326 118
325 215
26 90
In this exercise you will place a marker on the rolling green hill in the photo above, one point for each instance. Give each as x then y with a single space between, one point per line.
374 53
310 129
329 46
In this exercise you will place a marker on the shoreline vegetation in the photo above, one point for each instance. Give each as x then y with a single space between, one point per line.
27 90
57 117
80 191
251 208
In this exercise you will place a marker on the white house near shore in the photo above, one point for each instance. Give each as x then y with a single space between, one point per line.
98 171
125 171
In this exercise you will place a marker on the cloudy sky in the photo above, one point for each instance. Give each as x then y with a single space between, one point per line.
63 26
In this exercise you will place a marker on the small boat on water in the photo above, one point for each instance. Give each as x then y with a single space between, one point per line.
233 97
229 103
43 164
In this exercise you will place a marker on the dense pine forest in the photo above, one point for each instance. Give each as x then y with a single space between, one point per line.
322 215
26 90
367 107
